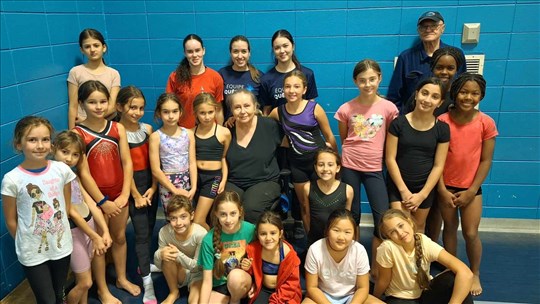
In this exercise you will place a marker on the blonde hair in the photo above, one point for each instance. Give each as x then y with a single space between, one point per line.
422 277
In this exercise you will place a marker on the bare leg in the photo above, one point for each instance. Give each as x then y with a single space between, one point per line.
117 227
79 293
201 212
173 274
194 292
299 190
98 269
470 221
238 283
375 242
419 217
434 222
451 223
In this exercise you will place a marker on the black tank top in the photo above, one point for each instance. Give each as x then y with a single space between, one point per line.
209 149
320 207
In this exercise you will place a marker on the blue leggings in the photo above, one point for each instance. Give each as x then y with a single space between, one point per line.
376 192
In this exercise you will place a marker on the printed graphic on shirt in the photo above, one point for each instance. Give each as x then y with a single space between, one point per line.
233 253
367 128
233 87
44 218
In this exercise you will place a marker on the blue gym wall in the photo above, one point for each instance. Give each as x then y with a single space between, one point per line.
39 46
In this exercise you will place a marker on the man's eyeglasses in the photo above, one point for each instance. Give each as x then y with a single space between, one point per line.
427 27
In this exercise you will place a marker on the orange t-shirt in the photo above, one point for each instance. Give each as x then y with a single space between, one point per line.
209 81
465 148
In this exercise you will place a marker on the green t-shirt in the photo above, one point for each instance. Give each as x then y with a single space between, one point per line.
234 249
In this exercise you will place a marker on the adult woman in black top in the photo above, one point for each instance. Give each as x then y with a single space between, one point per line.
253 168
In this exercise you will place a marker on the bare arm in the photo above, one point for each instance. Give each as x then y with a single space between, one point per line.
112 100
322 119
266 110
464 276
350 196
73 104
192 165
219 114
362 289
383 281
99 219
226 134
9 206
274 114
127 167
343 131
206 287
304 204
313 291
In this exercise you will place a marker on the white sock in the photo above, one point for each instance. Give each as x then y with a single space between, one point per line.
148 285
154 268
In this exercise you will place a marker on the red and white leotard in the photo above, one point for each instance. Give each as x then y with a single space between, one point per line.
103 153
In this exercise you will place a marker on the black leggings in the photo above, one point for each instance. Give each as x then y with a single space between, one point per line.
48 279
143 220
440 292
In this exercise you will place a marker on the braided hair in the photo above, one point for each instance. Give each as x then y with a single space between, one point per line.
462 79
447 51
422 277
223 197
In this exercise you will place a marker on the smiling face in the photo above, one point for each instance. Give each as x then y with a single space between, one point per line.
194 52
399 230
341 234
326 166
445 69
180 220
36 144
468 96
228 215
430 31
132 111
368 82
93 49
283 49
428 98
269 236
243 107
96 105
294 88
240 55
70 155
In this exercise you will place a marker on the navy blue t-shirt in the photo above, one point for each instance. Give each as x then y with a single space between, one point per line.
271 91
235 80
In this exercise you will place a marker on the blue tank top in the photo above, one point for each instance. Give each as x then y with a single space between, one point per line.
271 268
302 129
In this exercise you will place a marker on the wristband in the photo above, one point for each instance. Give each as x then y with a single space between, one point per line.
103 200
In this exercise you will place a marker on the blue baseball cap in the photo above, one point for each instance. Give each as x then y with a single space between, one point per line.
431 15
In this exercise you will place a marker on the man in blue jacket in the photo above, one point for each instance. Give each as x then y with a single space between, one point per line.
414 64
